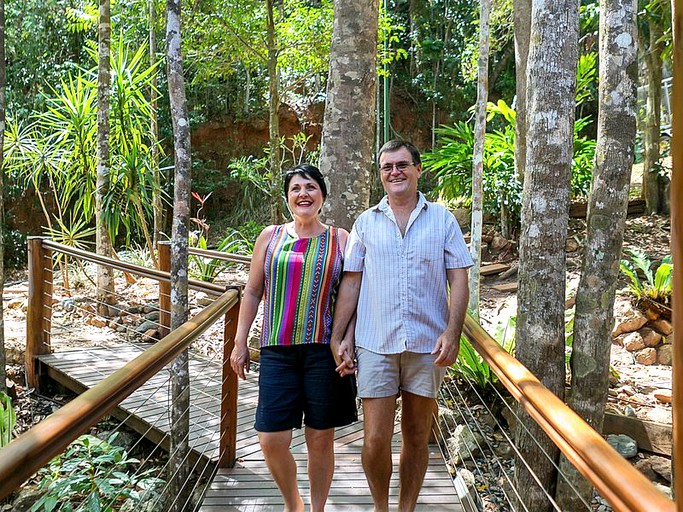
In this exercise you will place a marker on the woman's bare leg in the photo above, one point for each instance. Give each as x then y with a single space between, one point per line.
281 464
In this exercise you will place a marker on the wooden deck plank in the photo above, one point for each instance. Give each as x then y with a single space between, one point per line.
248 486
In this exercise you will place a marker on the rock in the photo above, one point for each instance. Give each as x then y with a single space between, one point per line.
647 356
28 496
464 444
499 243
633 342
97 322
628 319
203 299
663 488
661 466
151 334
466 486
623 444
651 338
659 415
153 315
664 355
645 467
148 308
630 411
662 326
448 419
571 245
146 326
651 314
503 450
663 395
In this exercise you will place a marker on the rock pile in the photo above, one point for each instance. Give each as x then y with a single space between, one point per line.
643 334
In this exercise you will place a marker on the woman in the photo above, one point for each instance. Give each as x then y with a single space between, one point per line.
297 267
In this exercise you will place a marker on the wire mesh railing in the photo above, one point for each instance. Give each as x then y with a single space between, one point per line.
479 446
99 469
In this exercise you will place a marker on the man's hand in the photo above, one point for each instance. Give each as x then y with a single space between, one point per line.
343 353
447 347
239 360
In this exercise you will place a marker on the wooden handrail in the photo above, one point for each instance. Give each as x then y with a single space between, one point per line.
131 268
218 255
33 449
623 486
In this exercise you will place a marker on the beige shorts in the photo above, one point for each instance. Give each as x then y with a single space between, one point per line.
384 375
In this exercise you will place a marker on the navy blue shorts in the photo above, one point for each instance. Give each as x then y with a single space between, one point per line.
300 382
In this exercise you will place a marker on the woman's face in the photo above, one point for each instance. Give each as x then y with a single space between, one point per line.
304 197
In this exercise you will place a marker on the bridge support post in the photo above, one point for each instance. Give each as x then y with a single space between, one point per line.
39 315
164 251
228 424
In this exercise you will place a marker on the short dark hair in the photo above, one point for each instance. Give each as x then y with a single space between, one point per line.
307 171
395 145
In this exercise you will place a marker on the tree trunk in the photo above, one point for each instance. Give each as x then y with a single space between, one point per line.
3 362
276 214
652 182
157 204
606 219
522 21
478 155
348 132
551 85
103 245
180 378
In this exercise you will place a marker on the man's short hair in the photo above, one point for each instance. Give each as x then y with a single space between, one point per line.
395 145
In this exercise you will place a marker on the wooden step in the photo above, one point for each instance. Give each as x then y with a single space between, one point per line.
508 287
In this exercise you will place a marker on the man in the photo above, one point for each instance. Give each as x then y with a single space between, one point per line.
400 255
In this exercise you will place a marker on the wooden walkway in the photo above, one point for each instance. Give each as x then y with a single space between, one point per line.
247 486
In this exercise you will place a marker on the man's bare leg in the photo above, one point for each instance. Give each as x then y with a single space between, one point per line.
416 422
378 416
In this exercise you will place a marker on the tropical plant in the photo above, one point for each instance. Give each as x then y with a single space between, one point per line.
656 285
55 149
8 419
471 365
93 474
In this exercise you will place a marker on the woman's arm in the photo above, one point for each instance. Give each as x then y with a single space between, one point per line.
251 298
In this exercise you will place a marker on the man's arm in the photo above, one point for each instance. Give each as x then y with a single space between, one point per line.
342 345
448 344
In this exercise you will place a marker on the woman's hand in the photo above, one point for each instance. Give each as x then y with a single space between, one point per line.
239 360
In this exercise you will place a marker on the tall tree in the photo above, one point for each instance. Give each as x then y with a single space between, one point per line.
478 155
606 220
348 132
652 47
105 275
157 204
551 85
3 371
276 214
179 374
522 21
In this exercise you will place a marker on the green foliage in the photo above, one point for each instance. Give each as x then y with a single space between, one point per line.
208 269
472 367
8 419
95 475
656 285
256 174
56 149
451 161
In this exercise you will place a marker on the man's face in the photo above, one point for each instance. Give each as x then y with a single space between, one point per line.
398 173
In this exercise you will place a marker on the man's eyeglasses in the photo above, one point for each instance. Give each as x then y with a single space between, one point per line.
400 167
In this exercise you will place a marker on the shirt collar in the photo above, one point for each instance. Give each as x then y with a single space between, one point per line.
383 205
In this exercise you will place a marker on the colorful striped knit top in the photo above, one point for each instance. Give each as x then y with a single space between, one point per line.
301 281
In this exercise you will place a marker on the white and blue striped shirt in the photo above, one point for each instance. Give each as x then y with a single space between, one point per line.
403 303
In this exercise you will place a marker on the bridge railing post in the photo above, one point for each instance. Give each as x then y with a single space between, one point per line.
228 422
39 314
164 250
